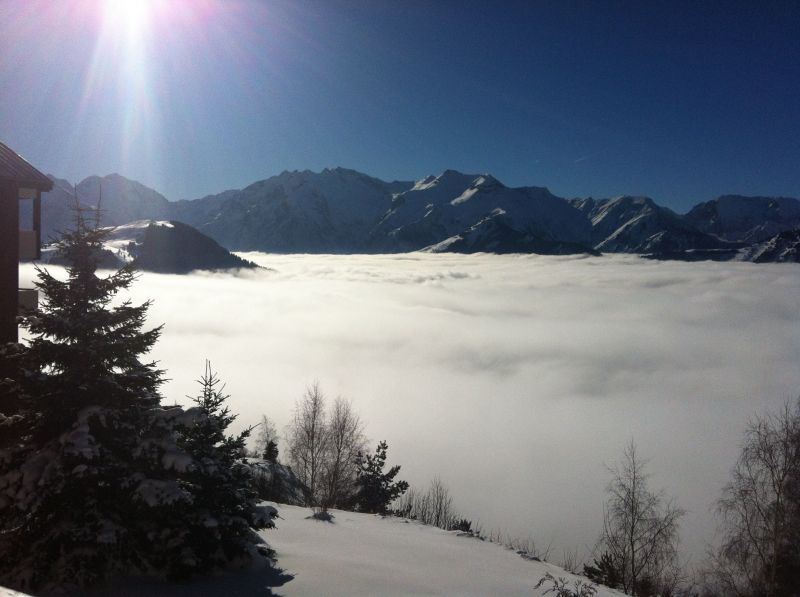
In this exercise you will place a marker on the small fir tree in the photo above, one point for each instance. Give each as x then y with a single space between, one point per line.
377 489
603 571
271 451
265 433
224 507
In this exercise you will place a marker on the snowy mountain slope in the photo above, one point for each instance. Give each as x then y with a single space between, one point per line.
784 247
638 225
199 212
122 200
364 554
495 234
331 211
177 248
441 207
161 246
57 208
749 219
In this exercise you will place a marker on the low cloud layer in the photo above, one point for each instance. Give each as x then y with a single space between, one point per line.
514 378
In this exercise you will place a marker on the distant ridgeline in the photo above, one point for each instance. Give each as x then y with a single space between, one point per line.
344 211
161 246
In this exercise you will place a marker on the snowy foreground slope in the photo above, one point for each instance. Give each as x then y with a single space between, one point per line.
362 554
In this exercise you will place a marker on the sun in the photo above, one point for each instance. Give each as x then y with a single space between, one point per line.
131 16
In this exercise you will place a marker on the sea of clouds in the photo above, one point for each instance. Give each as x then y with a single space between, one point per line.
516 379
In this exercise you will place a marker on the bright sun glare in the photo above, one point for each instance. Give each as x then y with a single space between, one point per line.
128 15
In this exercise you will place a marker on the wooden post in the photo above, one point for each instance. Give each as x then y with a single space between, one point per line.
9 260
37 222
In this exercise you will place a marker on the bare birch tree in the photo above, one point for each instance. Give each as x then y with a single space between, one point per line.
345 440
640 528
323 447
307 439
760 510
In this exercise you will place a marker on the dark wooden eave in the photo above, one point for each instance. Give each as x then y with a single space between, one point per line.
15 169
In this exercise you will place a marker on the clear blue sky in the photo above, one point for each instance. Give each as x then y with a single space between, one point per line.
678 101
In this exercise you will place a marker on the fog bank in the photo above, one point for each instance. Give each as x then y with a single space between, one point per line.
514 378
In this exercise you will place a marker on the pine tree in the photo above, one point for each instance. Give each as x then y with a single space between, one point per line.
266 433
603 571
376 489
94 480
224 508
271 451
84 443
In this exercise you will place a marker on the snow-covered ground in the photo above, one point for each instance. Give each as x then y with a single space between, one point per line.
363 554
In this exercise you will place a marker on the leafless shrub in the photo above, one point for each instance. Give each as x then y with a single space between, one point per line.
561 587
434 507
442 513
570 561
529 549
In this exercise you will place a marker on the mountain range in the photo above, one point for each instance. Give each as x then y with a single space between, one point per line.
344 211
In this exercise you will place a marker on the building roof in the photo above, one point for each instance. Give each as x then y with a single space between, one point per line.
16 169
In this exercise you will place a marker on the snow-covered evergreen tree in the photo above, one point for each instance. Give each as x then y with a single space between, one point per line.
224 508
377 489
271 451
95 476
82 446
